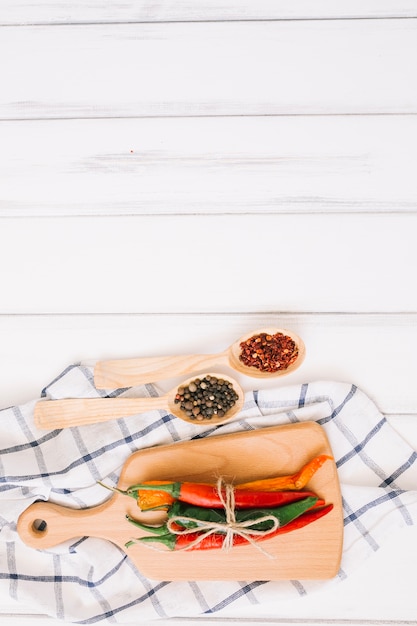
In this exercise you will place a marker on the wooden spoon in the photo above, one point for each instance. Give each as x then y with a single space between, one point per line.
114 374
52 414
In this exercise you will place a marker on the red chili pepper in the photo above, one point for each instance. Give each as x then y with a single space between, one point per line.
202 494
161 494
215 540
183 515
268 353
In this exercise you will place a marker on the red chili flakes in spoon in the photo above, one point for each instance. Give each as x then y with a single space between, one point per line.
269 353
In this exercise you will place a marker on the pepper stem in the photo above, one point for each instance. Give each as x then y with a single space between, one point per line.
117 490
156 530
172 488
168 540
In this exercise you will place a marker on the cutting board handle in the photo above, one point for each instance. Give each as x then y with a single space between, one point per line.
44 524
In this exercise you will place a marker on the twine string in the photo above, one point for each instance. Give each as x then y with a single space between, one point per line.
230 528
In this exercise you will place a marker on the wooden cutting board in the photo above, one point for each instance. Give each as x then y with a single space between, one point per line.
313 552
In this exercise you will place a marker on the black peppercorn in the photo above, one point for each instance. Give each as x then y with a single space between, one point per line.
206 397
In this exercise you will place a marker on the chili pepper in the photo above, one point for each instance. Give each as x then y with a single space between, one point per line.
268 353
161 494
152 500
186 515
147 500
202 494
215 540
294 481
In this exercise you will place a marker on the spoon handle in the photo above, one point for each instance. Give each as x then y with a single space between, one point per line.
131 372
51 414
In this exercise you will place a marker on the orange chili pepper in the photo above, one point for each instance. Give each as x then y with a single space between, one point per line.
148 499
206 495
294 481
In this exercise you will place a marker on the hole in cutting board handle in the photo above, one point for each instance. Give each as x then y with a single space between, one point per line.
39 526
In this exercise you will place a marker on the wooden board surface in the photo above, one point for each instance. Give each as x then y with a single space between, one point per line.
245 68
385 370
313 552
208 165
260 263
359 327
52 12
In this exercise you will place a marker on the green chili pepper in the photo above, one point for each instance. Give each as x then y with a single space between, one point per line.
284 514
172 541
185 516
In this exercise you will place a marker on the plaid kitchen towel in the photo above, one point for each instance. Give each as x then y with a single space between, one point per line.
90 580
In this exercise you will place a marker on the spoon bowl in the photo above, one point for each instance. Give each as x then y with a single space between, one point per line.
118 373
69 412
235 352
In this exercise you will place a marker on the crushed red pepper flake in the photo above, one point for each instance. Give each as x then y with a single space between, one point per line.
268 353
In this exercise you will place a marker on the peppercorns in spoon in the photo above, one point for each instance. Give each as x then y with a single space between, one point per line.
263 353
207 400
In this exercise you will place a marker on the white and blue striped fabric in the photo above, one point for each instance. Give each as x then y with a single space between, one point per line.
90 580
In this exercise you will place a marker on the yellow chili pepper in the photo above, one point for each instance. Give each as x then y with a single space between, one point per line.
294 481
153 499
147 499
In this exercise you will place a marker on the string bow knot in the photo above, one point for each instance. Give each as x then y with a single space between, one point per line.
230 527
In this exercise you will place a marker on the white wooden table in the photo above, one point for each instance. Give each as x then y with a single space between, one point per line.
175 174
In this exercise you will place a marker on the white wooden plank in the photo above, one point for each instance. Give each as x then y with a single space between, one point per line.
50 11
35 620
296 67
208 165
345 348
209 264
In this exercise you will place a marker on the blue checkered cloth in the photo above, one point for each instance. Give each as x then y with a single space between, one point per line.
90 580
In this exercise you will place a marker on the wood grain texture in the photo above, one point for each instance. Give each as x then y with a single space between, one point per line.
39 620
313 552
284 164
51 12
346 348
309 112
118 373
71 412
245 68
138 264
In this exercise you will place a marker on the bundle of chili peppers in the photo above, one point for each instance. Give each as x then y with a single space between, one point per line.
204 516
